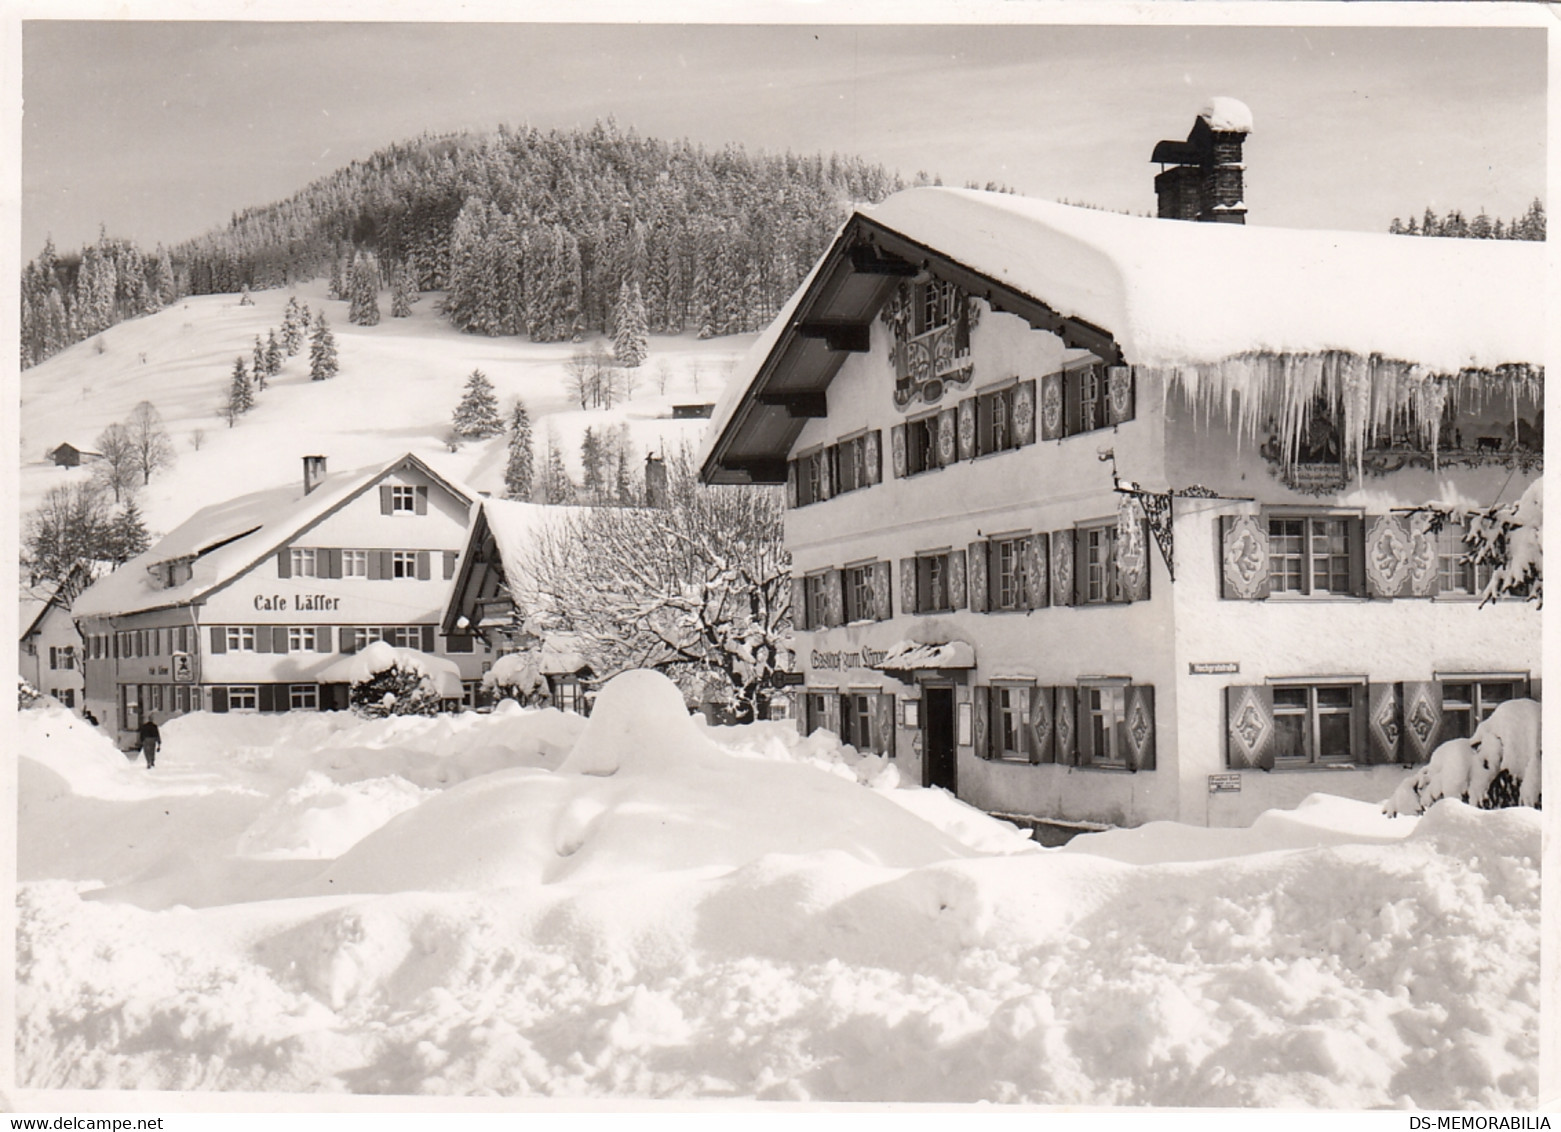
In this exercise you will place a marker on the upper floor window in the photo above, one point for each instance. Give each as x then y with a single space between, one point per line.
354 564
816 588
1455 573
241 638
921 445
1099 576
936 303
932 583
995 431
403 499
301 638
860 603
403 563
1310 555
303 562
1008 583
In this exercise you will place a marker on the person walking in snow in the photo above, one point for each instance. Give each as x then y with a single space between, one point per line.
151 739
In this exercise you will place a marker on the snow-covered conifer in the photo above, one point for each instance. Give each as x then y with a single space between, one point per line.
322 351
631 339
241 396
257 364
518 468
477 415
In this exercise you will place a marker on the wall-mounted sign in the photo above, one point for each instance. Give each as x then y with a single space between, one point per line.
1224 784
303 603
834 661
910 713
966 736
787 679
183 668
1214 668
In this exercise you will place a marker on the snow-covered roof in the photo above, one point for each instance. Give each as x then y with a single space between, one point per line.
906 656
517 526
226 539
1165 293
30 611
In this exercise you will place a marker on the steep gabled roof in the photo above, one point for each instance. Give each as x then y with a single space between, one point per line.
514 526
1158 293
225 540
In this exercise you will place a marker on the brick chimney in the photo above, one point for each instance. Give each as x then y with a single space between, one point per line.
1201 178
655 481
314 472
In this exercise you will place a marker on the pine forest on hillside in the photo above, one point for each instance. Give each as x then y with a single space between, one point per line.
526 232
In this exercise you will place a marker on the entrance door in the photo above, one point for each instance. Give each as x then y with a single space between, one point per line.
938 739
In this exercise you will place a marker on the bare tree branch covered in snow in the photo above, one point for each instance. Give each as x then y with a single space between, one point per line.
1507 538
699 589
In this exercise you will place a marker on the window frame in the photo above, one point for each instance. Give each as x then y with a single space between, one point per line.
1101 534
236 638
933 568
243 691
921 444
1311 713
815 592
1306 558
1100 719
1010 577
403 565
856 583
302 638
297 692
403 493
995 430
303 562
1007 723
354 563
1477 707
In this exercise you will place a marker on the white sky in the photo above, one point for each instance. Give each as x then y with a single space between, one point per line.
160 130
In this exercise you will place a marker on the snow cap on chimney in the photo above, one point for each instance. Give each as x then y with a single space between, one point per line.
1227 115
314 472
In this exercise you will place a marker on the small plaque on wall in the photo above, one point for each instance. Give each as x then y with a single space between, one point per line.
910 713
966 735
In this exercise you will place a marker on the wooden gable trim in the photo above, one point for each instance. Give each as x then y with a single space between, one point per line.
800 405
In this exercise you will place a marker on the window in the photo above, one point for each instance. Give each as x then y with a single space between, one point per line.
365 635
1008 587
856 720
1309 555
1008 724
354 564
300 639
935 306
932 583
303 697
471 693
853 462
1092 398
813 476
303 562
243 697
405 636
1102 731
403 563
1466 702
817 592
66 696
1314 723
860 602
568 696
921 445
403 499
241 638
1100 581
995 430
1455 573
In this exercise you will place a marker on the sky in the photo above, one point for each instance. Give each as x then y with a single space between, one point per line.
160 130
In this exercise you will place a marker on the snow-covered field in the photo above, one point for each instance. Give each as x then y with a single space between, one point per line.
399 384
530 904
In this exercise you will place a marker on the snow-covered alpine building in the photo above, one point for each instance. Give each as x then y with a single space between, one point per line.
249 604
1112 519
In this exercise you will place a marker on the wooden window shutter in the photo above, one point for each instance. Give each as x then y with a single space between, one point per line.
284 563
976 563
1384 726
1024 413
791 483
1387 555
1051 410
980 705
322 638
424 569
219 640
1081 570
420 499
333 562
1355 532
948 438
1083 737
1043 726
1249 727
883 724
1022 698
219 699
1420 703
908 571
967 429
1072 420
349 639
826 473
883 599
799 603
897 453
428 638
1036 572
376 565
1062 566
834 598
1139 726
832 711
1244 558
279 638
449 565
267 697
1066 728
956 580
1425 577
872 457
1119 394
384 499
263 638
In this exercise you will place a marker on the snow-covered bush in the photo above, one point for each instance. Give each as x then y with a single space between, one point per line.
395 691
1498 766
1510 538
27 696
517 676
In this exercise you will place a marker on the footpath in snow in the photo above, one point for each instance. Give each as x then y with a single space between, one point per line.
530 904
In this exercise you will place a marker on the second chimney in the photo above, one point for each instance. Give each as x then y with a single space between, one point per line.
314 472
1205 178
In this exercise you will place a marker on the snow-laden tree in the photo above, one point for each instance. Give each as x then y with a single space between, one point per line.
257 365
116 470
1507 539
631 339
126 535
322 351
149 440
241 395
273 358
294 325
699 589
68 529
519 475
363 305
400 294
477 415
557 487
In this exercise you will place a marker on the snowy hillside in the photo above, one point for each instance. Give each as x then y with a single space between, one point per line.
399 384
532 904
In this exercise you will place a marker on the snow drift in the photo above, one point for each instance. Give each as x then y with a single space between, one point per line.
532 905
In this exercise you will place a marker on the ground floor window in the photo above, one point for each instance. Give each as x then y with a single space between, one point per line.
567 694
66 696
1102 735
129 707
1465 702
243 697
863 718
471 693
303 697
